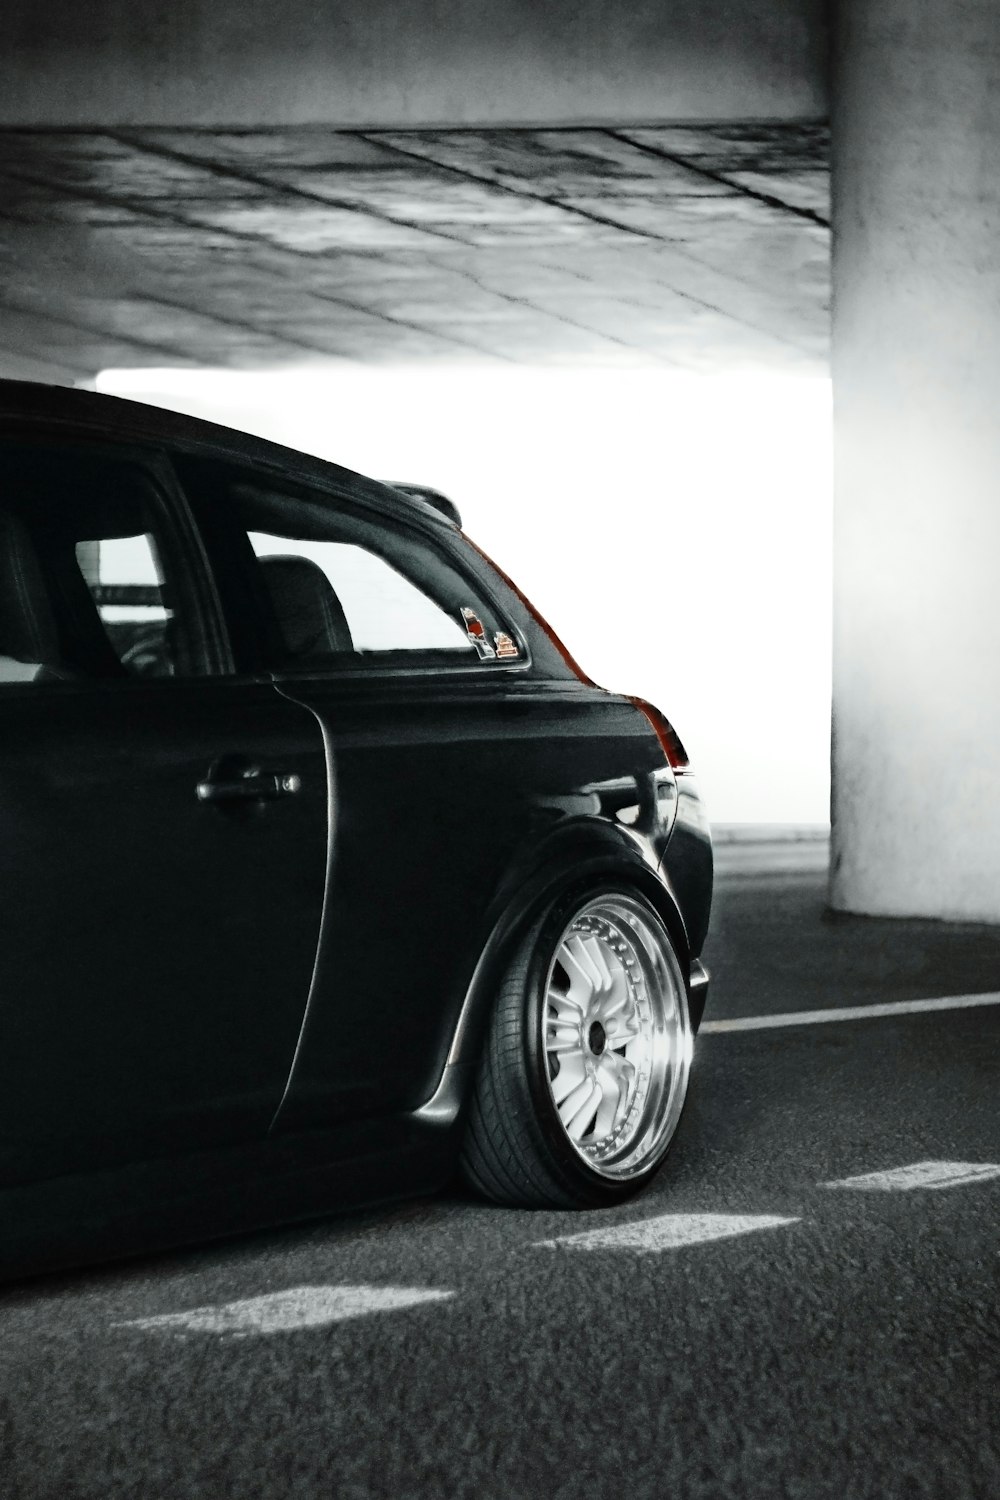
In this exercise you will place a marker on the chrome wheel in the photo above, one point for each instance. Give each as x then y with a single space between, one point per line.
616 1039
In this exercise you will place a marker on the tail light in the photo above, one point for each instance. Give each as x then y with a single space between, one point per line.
665 732
670 741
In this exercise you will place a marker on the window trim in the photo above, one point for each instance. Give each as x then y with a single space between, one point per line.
249 609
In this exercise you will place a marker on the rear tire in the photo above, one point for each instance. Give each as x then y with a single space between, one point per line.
585 1068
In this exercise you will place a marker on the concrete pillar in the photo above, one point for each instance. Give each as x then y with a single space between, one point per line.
916 339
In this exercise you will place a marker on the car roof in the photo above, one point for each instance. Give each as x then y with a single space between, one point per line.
116 417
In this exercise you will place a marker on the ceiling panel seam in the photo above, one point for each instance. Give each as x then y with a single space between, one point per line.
608 223
93 195
110 336
271 184
721 178
547 312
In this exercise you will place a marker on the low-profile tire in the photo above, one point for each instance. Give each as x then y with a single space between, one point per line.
585 1067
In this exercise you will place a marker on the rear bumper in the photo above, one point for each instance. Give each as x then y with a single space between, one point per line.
697 991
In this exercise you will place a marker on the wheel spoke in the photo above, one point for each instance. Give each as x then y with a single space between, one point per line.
563 1039
564 1002
595 951
608 1113
574 1099
620 997
579 953
570 1076
576 1123
581 983
623 1073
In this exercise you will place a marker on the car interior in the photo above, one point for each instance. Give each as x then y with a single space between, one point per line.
81 587
308 613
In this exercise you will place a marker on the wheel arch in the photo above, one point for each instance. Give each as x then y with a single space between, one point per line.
588 859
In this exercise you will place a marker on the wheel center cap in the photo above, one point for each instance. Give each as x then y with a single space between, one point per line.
596 1038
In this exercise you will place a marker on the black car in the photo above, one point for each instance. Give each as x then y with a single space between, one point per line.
325 869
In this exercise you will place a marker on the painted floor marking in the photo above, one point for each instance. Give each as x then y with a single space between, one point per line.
667 1232
284 1312
922 1174
848 1013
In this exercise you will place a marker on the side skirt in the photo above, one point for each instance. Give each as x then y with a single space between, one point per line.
158 1205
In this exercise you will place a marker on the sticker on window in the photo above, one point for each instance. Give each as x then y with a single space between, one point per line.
477 635
505 645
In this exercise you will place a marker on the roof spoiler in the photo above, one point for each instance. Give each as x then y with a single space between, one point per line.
441 503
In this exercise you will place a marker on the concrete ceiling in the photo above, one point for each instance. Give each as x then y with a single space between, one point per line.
696 246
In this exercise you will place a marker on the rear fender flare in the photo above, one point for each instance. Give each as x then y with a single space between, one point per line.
550 882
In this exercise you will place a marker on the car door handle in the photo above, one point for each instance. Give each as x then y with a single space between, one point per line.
249 785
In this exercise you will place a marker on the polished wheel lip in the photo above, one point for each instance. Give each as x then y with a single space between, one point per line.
616 1036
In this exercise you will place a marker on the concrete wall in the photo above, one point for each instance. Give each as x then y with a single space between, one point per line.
916 362
410 62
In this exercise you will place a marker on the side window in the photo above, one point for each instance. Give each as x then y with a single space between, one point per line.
309 581
91 581
381 610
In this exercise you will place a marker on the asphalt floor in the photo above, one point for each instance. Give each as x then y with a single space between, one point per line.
755 1324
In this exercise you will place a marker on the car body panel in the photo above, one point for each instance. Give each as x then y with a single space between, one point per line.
437 795
688 861
157 951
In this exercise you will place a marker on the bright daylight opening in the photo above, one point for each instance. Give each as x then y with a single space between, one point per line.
674 529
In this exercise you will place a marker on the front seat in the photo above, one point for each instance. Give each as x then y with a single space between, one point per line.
310 616
29 636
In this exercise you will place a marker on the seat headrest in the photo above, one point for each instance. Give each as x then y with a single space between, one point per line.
309 614
28 630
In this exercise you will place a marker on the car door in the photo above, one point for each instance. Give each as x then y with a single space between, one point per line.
447 758
164 819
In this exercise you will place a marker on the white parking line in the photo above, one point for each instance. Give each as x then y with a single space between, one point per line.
922 1174
284 1312
667 1232
848 1013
